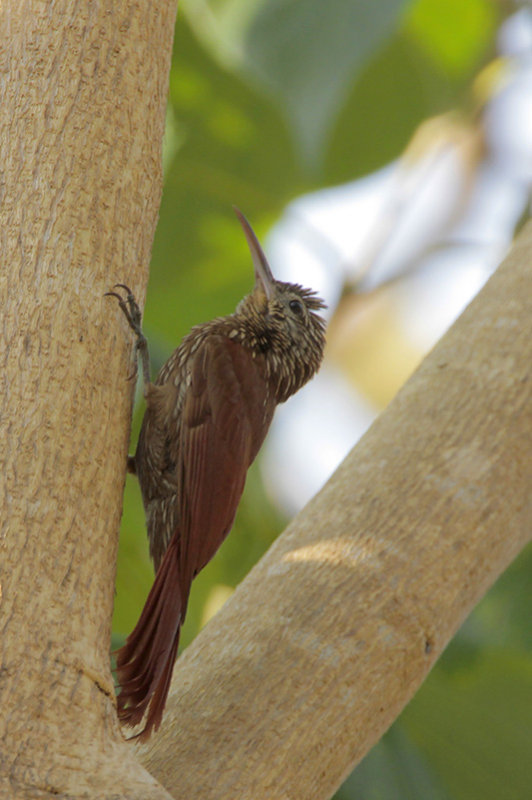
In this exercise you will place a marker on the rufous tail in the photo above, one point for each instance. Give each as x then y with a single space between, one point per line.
144 665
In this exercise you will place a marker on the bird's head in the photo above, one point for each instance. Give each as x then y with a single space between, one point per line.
285 314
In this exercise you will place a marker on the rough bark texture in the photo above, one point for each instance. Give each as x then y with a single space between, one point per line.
333 631
82 107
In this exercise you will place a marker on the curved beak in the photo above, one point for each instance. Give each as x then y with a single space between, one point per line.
263 273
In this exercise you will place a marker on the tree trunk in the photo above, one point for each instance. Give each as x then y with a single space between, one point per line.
333 631
83 98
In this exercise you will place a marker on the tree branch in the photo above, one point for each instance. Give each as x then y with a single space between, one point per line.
333 631
82 109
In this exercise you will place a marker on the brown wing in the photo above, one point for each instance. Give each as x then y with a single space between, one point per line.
226 413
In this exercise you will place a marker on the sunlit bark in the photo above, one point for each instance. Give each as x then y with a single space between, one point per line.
82 108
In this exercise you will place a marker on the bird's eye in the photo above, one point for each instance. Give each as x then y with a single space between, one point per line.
296 307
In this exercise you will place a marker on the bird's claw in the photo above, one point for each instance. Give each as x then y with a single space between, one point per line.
130 309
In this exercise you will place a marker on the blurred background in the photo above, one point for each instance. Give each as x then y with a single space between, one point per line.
383 153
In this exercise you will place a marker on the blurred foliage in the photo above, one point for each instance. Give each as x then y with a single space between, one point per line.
288 46
455 47
270 99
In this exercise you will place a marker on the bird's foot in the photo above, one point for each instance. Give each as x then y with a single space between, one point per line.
132 313
130 308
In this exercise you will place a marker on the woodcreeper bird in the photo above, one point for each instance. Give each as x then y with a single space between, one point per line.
207 414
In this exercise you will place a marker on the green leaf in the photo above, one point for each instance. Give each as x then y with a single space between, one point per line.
394 769
473 725
453 33
308 53
396 91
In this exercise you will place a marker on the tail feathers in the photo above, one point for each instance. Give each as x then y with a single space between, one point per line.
145 663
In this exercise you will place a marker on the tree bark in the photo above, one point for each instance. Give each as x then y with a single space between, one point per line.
330 635
83 99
